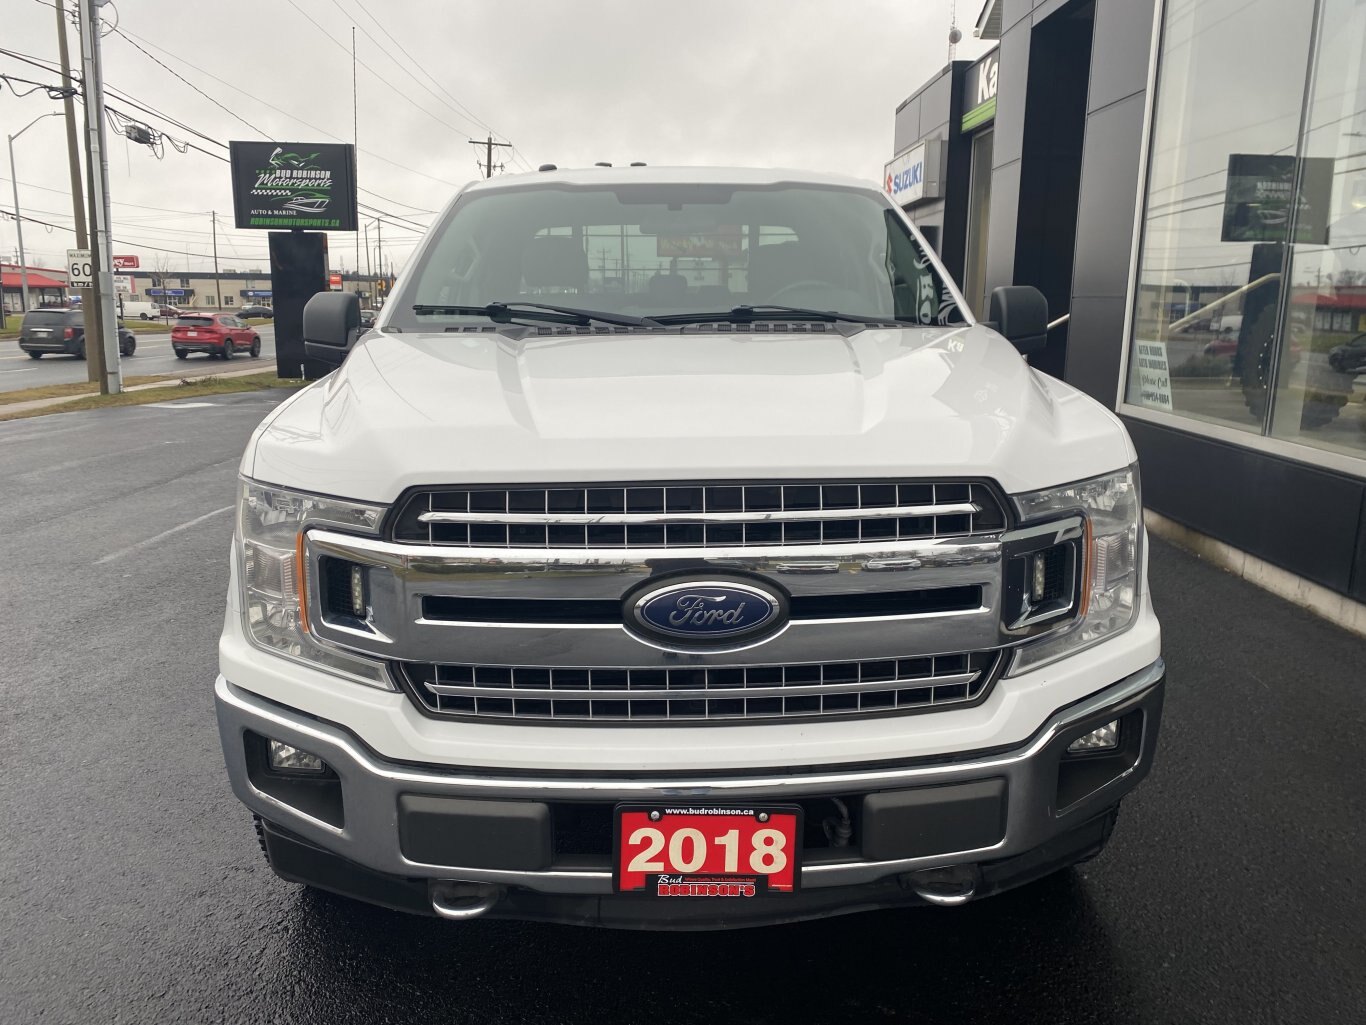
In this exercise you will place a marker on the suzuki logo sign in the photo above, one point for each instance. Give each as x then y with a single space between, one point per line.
914 175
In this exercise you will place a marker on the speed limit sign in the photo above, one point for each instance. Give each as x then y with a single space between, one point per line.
80 272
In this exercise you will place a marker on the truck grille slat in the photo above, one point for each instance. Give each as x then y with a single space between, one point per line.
698 515
701 693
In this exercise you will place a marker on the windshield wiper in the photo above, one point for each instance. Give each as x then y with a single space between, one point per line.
744 314
503 312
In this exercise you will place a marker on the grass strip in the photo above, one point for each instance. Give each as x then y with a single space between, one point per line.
173 392
77 388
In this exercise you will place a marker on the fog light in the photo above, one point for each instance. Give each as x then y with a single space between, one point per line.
1104 739
284 758
358 592
1040 580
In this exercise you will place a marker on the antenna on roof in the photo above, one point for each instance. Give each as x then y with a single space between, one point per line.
955 33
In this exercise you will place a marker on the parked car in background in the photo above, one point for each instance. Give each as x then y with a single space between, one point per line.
221 335
168 311
1350 357
60 331
368 318
255 310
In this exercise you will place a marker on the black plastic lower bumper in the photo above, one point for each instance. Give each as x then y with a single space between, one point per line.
298 861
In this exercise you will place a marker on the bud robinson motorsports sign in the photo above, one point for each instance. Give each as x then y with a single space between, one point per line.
281 185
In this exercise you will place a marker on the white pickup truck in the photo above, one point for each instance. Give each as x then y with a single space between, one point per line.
677 552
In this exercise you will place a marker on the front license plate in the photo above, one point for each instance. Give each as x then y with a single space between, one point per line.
681 851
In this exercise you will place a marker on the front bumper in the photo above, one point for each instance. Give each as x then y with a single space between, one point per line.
1050 810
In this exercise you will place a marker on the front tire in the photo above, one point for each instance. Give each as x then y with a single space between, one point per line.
35 355
129 346
227 350
255 347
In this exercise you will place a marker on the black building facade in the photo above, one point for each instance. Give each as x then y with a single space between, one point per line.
1185 180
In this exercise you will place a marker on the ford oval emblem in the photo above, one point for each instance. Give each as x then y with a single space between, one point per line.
707 610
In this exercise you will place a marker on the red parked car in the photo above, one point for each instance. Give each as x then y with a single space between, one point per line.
221 335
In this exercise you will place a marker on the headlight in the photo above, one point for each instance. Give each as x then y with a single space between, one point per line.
270 545
1108 591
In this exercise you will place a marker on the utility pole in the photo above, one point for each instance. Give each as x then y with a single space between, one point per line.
379 240
217 285
488 145
73 156
111 374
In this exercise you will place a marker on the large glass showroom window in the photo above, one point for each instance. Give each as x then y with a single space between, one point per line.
1250 307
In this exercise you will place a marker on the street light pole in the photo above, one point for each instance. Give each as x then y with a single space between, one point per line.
18 214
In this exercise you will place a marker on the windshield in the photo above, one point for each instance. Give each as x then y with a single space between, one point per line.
652 250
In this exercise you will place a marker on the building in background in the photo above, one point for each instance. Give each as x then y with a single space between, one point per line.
198 289
1185 180
46 287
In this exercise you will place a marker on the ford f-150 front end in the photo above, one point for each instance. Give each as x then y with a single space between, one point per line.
678 553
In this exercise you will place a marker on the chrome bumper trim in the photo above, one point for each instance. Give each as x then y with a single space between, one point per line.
371 787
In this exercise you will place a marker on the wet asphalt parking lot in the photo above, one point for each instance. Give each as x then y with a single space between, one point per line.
132 890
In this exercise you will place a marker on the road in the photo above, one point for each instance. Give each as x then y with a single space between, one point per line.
131 888
153 356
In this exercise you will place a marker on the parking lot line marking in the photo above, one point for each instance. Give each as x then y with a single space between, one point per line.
160 537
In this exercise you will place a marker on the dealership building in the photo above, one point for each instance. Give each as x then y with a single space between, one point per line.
1185 181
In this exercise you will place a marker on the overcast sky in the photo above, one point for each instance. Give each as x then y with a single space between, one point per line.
780 83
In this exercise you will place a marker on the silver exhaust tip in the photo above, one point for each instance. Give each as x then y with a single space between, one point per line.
461 902
946 887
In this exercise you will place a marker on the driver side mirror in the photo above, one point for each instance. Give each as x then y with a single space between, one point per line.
1020 313
331 326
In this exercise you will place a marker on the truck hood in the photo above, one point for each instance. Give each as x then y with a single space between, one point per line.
426 409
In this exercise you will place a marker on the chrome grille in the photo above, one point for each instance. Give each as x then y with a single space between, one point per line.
677 515
702 693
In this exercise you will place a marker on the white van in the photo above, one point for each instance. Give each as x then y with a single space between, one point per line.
140 311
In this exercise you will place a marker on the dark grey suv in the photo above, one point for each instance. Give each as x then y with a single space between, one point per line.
63 332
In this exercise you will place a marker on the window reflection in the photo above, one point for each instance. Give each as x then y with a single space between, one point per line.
1320 383
1217 217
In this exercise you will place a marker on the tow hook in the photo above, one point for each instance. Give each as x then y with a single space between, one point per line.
948 886
463 901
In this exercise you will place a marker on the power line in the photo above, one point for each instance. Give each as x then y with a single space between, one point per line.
406 70
121 241
381 78
172 71
298 120
419 65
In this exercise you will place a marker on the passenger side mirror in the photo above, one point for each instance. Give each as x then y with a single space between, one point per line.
1020 313
331 326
